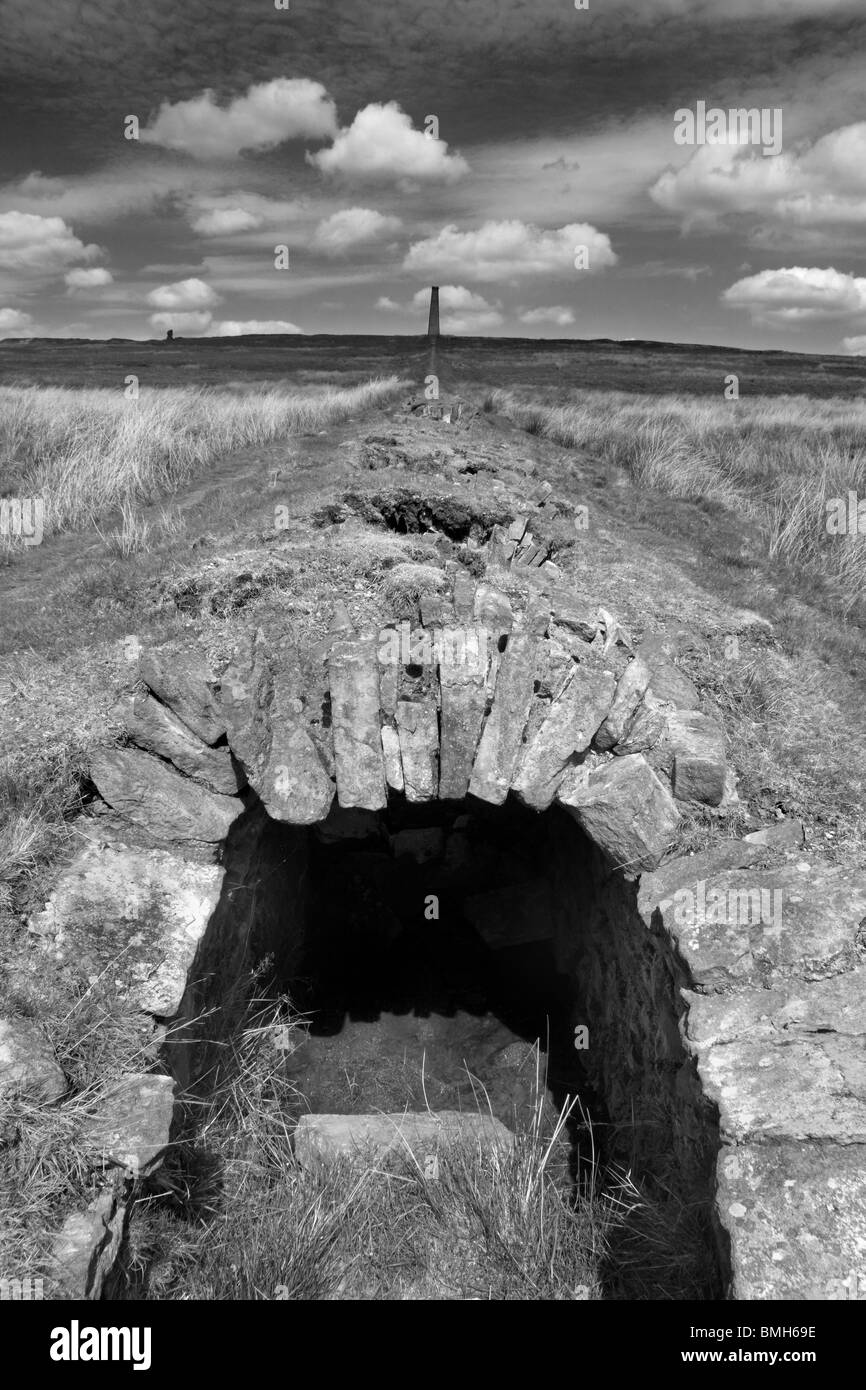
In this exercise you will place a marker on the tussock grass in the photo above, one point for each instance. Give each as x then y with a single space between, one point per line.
776 460
87 452
47 1168
233 1216
36 800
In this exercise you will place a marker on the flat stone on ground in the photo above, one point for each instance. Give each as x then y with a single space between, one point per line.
27 1061
132 1127
371 1138
85 1248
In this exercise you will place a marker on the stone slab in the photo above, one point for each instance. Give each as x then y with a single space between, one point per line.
369 1139
154 795
501 744
568 729
182 680
158 730
626 810
133 917
353 669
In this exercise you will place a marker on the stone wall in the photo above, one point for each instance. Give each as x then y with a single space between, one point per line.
261 913
627 982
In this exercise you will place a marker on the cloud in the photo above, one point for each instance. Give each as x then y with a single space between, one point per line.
555 313
663 270
856 346
461 310
388 306
81 279
14 323
508 250
31 243
817 185
183 295
799 294
233 328
354 227
288 108
225 222
382 146
240 273
193 322
108 195
230 214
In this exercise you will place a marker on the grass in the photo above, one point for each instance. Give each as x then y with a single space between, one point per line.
36 799
47 1168
237 1218
232 1216
88 452
777 461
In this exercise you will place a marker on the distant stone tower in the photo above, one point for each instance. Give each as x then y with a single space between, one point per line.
169 337
433 325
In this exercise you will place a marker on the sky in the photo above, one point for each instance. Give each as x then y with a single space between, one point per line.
226 166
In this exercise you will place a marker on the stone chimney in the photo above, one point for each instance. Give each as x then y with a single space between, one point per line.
433 325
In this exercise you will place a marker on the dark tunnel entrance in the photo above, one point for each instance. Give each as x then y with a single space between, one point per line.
457 956
429 972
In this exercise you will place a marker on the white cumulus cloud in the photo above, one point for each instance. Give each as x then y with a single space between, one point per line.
183 295
287 108
32 243
354 227
815 185
856 345
225 222
88 279
799 294
15 323
382 146
554 313
234 328
509 250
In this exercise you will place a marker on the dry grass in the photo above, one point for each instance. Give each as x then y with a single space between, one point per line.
36 799
775 460
47 1168
234 1217
87 452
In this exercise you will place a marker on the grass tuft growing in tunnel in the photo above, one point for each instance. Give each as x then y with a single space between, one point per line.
233 1216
